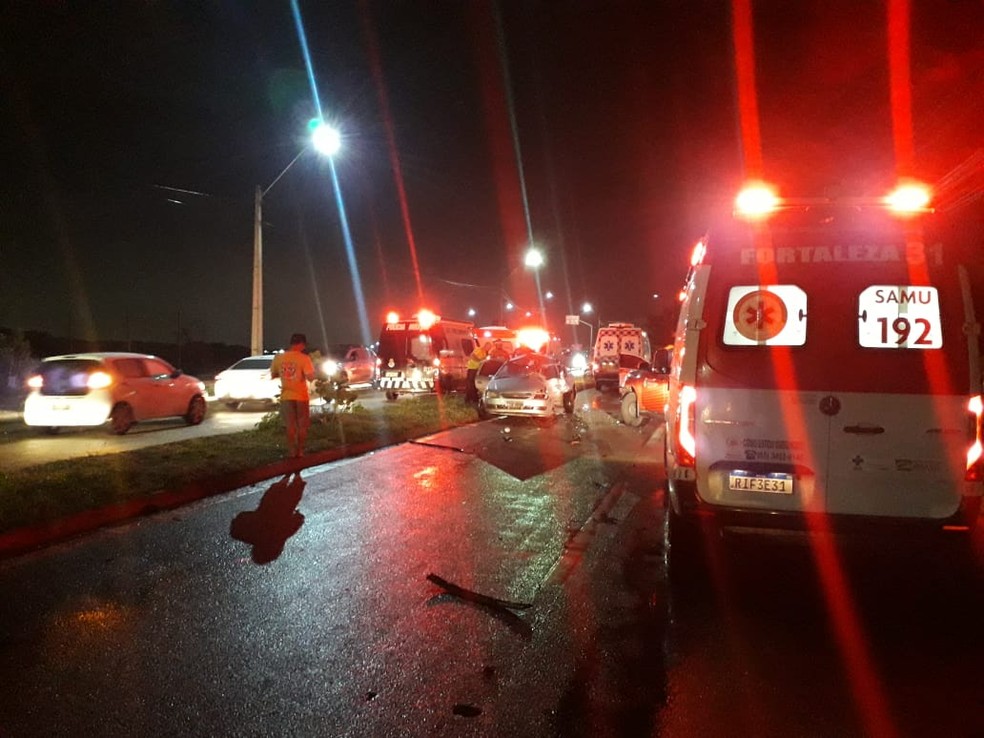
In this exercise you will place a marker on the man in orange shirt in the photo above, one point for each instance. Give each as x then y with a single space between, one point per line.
295 369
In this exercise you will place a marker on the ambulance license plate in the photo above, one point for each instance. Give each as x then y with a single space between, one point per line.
780 484
392 374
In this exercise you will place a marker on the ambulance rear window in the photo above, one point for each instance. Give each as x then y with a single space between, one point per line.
864 310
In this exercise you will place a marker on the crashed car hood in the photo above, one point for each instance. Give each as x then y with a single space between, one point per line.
531 383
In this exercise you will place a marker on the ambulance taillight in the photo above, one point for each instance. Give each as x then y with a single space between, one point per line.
909 199
756 201
975 454
685 442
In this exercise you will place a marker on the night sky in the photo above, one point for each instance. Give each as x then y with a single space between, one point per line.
134 135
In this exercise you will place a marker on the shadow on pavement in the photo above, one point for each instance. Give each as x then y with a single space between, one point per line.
275 520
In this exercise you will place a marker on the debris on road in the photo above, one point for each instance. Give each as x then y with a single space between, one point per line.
469 595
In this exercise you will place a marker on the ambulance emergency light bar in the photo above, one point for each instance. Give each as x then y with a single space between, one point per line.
425 318
758 200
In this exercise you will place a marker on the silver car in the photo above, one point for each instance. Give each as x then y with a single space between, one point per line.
532 385
486 371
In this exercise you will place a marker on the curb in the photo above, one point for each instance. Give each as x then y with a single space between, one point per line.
30 538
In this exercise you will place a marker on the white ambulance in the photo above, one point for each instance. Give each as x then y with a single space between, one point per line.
423 353
826 371
620 348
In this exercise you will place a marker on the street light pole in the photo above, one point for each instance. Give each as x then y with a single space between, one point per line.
327 141
256 332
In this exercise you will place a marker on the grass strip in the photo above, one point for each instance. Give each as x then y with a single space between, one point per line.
46 493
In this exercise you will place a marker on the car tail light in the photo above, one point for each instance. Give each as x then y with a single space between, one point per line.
685 446
35 382
98 380
975 454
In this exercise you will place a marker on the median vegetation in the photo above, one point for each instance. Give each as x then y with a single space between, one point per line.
60 489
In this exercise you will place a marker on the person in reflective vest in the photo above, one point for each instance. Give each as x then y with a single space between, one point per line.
475 359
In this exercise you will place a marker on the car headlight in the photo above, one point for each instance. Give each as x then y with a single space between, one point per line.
330 367
539 395
490 395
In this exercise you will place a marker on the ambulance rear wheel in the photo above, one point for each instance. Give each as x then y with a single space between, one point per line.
391 396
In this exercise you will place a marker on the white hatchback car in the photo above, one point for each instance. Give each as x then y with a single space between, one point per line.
78 390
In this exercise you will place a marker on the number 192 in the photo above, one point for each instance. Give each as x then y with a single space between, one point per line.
902 328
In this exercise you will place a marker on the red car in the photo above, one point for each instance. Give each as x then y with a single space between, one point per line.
646 389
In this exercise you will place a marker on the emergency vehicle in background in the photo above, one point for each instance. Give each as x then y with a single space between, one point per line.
504 340
826 371
619 349
423 353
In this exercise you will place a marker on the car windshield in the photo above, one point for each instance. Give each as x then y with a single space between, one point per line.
490 367
337 350
254 362
524 366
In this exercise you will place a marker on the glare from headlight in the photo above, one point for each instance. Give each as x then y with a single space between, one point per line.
416 375
330 367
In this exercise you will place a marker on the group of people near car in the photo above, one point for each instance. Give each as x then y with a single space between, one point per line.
295 370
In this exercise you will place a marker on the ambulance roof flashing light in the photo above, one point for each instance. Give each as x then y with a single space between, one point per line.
756 201
534 338
426 319
392 317
909 199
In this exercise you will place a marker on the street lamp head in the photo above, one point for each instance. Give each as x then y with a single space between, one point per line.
533 258
326 140
587 307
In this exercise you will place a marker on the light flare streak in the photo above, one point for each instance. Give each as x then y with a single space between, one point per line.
376 67
868 690
336 186
360 300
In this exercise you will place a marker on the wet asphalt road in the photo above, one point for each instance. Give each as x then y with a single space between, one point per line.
303 607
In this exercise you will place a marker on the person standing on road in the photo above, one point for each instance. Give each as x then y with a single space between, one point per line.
295 369
475 359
